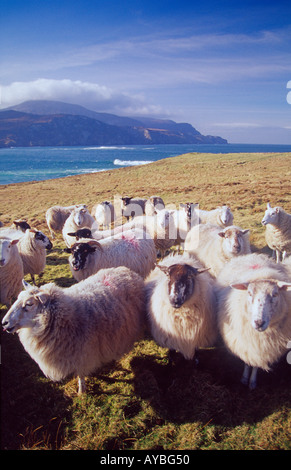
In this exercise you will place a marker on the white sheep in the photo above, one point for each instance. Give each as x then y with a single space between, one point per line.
153 205
78 218
215 246
76 330
184 219
56 216
221 216
133 249
278 231
104 214
181 305
132 206
160 227
32 248
254 312
11 271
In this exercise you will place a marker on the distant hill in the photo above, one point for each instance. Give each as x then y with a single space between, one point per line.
53 123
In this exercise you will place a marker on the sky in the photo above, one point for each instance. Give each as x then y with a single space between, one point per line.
222 66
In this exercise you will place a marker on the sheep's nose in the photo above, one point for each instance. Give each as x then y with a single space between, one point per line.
259 324
2 262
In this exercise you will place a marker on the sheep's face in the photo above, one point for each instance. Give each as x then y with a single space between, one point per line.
5 250
233 240
271 215
42 240
263 301
79 255
226 216
24 311
181 282
78 215
163 218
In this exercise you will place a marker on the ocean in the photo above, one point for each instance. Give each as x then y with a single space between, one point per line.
25 164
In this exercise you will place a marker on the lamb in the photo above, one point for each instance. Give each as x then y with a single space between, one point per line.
79 218
32 248
76 330
56 216
132 207
153 205
278 231
215 246
221 216
254 312
181 305
11 271
104 214
133 249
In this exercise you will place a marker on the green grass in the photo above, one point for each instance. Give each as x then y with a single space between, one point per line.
144 402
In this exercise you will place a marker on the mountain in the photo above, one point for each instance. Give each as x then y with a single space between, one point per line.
53 123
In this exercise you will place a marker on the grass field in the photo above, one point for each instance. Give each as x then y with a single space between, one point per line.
144 401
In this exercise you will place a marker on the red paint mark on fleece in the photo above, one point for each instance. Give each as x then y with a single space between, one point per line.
130 238
255 266
107 281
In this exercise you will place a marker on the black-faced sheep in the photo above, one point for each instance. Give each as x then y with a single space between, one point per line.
76 330
32 247
134 249
181 305
132 207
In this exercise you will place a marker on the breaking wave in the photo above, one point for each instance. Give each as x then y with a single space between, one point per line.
131 162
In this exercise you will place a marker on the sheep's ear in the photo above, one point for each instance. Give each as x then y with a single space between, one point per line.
95 244
268 205
14 242
202 270
284 285
72 234
240 286
67 250
26 285
42 297
245 231
164 269
221 234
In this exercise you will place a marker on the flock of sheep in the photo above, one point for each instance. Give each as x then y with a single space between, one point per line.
214 287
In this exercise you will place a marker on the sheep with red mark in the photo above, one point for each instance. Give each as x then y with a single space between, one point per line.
76 330
133 249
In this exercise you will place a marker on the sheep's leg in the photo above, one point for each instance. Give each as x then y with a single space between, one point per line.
253 379
246 373
277 256
284 255
33 279
81 385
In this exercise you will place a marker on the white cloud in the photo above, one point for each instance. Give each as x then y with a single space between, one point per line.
88 94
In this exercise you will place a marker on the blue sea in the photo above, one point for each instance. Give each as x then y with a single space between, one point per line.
24 164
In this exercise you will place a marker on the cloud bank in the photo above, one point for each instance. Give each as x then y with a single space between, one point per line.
91 95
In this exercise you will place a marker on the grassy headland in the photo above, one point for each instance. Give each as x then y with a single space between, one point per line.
143 402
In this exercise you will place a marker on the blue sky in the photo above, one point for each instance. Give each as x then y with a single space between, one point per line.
222 66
